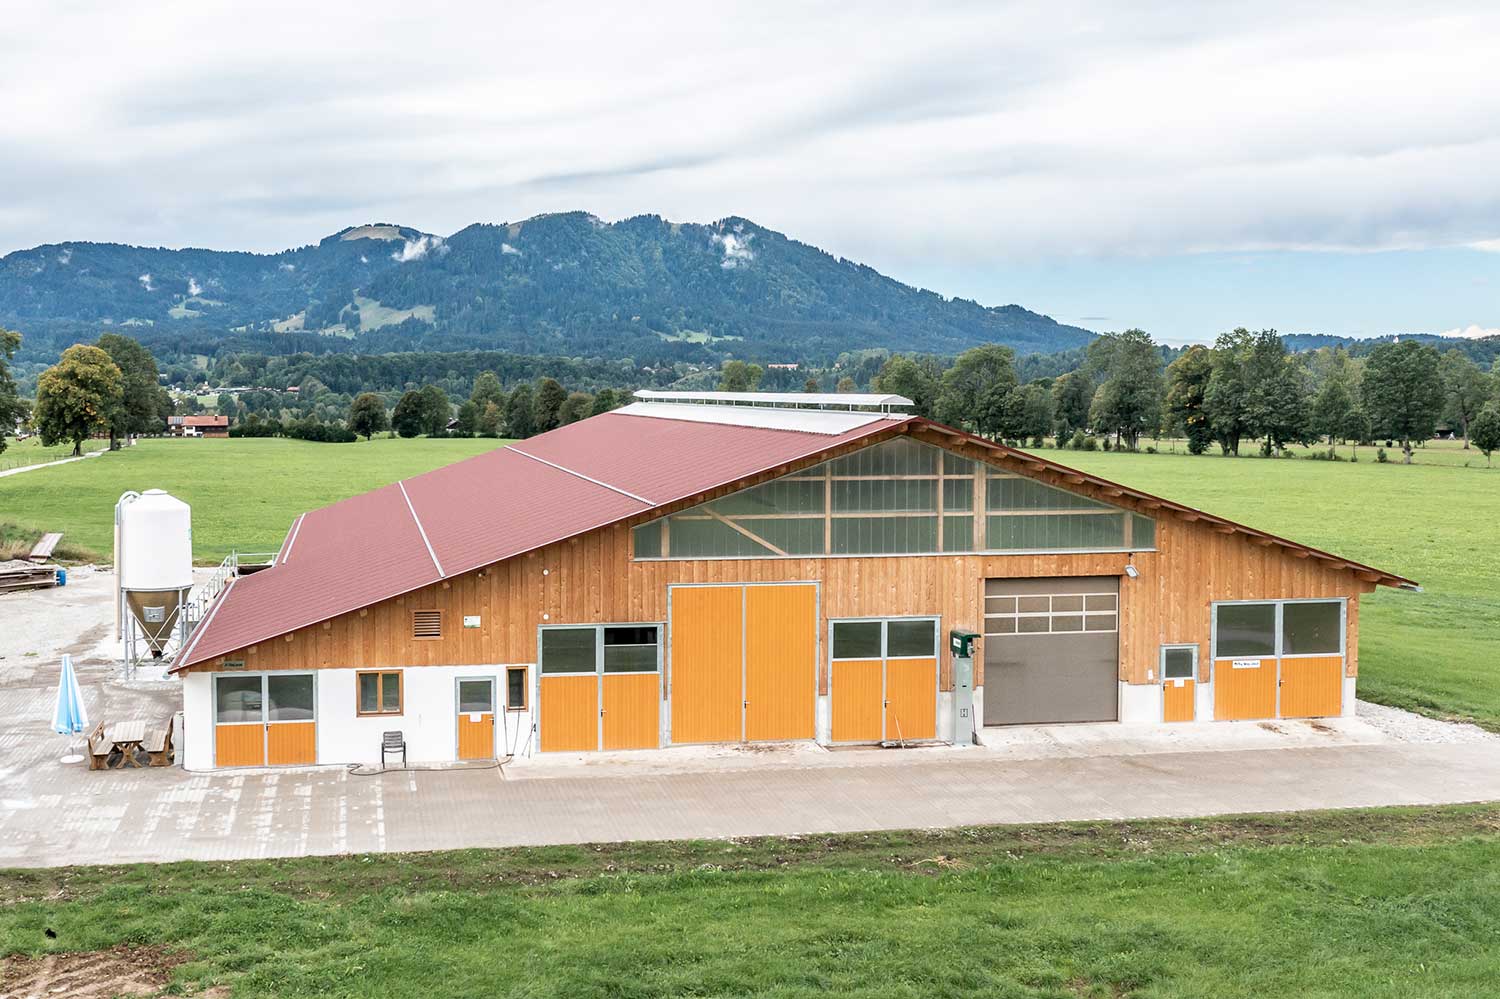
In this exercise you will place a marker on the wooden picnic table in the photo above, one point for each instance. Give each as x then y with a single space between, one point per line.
127 737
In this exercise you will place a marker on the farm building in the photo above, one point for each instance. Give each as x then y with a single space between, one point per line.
718 568
198 426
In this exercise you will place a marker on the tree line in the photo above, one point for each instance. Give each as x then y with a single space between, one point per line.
1247 386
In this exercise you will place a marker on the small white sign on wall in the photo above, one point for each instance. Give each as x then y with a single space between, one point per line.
471 620
1245 664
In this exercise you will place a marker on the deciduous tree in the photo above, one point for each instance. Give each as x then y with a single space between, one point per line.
975 394
436 411
1227 397
1486 431
12 410
1187 384
520 415
916 378
1403 391
139 379
409 418
739 376
76 397
367 415
550 396
1072 394
1466 389
574 408
1128 400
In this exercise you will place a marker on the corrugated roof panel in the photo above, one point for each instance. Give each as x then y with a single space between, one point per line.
808 421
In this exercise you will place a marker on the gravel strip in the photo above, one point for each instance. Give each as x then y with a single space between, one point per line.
1407 726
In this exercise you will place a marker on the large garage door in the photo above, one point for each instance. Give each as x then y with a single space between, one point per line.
743 662
1051 650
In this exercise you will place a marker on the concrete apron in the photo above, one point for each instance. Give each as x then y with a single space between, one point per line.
56 815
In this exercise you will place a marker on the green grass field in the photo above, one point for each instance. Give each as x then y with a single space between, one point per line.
31 452
1437 651
1434 452
1387 903
244 492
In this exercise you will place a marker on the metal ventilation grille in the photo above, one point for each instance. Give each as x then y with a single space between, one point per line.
427 624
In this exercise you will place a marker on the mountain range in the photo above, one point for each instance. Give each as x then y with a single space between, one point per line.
560 284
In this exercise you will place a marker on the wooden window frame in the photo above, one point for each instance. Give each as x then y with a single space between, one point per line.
379 675
525 695
440 619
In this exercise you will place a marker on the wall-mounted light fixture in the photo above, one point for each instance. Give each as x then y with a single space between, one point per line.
1130 569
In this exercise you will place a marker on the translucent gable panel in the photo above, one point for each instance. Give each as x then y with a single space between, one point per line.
899 497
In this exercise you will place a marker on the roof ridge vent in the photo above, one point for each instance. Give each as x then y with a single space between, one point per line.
839 402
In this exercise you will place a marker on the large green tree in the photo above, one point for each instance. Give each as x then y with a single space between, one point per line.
76 397
137 412
1331 410
12 410
976 393
1128 399
1187 384
1072 394
605 400
1276 393
1226 399
367 415
436 411
409 418
487 389
739 376
520 413
1403 391
1035 412
916 378
550 396
574 408
1486 431
1466 389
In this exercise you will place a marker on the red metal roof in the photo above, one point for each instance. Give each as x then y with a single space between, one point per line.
487 509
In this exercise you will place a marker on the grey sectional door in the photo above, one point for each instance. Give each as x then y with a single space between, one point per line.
1051 650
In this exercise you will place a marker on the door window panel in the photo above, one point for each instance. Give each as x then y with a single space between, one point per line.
1247 630
1310 629
237 699
474 696
1178 663
911 639
856 640
569 650
290 698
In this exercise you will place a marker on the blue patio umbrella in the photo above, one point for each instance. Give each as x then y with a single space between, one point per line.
69 717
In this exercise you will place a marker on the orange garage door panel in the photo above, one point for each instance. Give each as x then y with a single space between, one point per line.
292 743
707 663
1311 686
781 662
1177 700
1244 693
911 699
856 700
631 719
570 713
240 745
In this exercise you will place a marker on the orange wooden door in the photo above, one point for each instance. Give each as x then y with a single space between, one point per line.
570 713
1312 686
476 718
1177 700
240 745
856 700
292 743
632 718
910 699
781 662
707 663
1245 692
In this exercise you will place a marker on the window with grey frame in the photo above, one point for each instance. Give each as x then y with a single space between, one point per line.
1271 628
1179 662
600 648
889 638
899 497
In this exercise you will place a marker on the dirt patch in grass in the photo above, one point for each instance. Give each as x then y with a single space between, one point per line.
97 974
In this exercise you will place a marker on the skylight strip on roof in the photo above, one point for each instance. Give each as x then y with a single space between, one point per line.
291 539
421 530
580 475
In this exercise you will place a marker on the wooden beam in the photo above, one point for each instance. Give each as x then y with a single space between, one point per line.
716 515
1224 528
1262 542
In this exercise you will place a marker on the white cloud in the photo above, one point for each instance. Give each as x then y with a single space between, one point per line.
416 249
507 248
1473 331
1487 245
737 252
145 280
194 288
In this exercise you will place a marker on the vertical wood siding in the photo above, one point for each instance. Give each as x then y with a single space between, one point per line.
632 716
1244 694
1311 686
291 743
911 699
476 739
781 662
570 713
240 745
856 702
707 663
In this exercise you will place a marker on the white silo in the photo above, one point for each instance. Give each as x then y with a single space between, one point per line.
154 563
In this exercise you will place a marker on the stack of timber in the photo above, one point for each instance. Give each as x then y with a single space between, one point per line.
22 575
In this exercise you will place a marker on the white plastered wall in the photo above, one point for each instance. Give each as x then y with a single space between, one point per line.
1140 703
428 720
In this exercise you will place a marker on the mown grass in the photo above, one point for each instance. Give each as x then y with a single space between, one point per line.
244 492
31 452
1437 651
1391 902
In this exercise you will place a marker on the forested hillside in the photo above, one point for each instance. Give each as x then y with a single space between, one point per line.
564 284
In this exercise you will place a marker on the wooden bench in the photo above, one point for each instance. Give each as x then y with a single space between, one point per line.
158 745
100 748
44 548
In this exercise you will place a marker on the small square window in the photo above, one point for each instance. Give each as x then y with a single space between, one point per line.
379 694
1178 662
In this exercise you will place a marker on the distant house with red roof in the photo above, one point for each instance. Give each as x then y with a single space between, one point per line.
198 426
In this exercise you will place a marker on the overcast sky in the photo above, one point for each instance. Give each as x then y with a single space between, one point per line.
1180 166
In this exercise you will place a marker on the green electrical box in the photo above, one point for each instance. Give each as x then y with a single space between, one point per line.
961 643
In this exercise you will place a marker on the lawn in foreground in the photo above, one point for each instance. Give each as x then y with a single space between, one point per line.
31 451
1390 902
244 491
1437 651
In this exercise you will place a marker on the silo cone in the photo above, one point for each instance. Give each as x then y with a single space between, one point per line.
156 614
